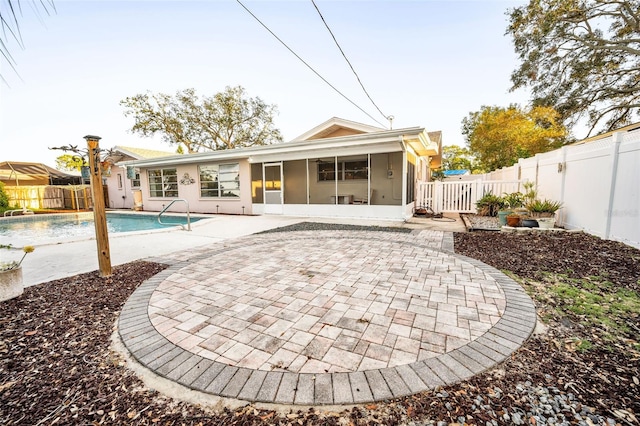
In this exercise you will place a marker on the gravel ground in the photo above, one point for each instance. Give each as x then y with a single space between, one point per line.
475 222
56 366
319 226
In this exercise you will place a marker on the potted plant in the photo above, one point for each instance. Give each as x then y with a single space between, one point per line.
544 211
546 222
489 204
530 193
529 222
511 201
543 208
513 219
11 275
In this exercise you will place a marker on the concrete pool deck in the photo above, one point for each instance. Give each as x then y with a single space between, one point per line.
53 261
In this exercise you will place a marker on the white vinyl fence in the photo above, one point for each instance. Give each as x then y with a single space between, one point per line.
460 196
598 183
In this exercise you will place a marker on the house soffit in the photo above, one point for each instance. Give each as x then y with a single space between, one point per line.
422 144
125 153
364 142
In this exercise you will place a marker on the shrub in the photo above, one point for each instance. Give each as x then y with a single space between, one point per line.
543 206
513 200
489 204
4 198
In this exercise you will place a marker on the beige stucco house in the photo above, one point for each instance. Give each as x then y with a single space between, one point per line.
120 186
337 169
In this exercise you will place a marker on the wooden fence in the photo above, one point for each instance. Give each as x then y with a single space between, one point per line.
50 197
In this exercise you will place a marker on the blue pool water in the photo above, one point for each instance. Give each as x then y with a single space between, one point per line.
43 229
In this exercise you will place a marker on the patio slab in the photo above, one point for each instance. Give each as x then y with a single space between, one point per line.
325 317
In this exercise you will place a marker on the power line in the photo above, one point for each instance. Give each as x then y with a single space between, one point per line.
308 66
348 62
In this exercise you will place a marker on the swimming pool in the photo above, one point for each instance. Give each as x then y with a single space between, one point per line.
50 228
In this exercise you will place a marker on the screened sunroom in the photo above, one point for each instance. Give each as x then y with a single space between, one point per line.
338 169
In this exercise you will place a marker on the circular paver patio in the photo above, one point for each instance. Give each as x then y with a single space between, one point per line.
325 317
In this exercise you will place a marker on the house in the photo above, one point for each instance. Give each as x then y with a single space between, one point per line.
120 187
339 168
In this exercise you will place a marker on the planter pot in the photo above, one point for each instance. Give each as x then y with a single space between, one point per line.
502 216
10 284
546 222
513 221
543 215
530 223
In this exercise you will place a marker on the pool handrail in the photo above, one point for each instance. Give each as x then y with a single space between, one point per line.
173 224
23 210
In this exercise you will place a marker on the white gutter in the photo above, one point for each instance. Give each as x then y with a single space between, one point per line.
316 144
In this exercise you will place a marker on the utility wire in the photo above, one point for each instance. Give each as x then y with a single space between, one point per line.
346 59
308 66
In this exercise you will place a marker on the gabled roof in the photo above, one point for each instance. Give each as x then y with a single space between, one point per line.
126 153
436 137
353 143
336 127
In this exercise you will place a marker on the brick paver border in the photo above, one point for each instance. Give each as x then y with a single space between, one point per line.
151 349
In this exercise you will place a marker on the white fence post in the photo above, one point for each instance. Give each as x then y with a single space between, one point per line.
437 196
615 147
562 168
476 192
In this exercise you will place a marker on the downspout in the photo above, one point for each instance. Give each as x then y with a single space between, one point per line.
124 185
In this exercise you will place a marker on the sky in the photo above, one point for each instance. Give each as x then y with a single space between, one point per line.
426 63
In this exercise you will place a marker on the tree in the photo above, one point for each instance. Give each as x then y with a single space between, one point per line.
10 27
69 162
499 136
455 157
581 57
225 120
4 198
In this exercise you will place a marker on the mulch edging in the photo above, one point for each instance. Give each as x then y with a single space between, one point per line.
56 365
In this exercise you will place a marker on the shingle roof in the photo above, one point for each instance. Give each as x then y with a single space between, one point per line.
121 153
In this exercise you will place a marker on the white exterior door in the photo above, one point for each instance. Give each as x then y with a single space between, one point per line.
273 198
